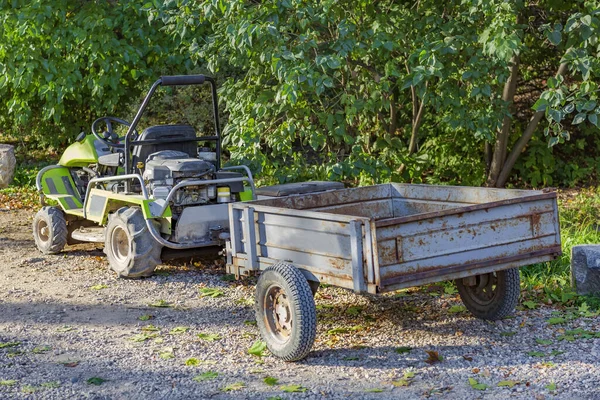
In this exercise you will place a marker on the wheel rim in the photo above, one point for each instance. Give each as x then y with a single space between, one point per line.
119 244
278 314
43 230
485 290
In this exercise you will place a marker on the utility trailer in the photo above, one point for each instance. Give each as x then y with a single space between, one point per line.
383 238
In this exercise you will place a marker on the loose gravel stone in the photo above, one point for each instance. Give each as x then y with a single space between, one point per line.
75 321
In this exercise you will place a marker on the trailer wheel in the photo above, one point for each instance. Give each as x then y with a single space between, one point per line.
50 230
490 296
131 250
285 312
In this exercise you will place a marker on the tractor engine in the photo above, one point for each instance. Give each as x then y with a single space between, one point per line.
165 169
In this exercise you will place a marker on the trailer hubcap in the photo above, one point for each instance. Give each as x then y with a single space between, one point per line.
120 244
485 289
279 315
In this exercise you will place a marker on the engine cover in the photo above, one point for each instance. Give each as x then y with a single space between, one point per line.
164 167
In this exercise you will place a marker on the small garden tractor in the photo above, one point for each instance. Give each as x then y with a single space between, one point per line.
143 195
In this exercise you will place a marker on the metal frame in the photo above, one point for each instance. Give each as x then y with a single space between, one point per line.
128 136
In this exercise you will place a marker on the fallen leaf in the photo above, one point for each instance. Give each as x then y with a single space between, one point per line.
29 389
41 349
434 357
353 310
403 349
149 328
293 388
530 304
508 383
234 386
269 380
208 375
9 344
209 337
257 349
543 341
476 385
337 331
70 363
51 385
508 333
8 382
210 292
179 330
99 287
536 354
145 317
374 390
556 321
142 337
457 309
551 387
160 303
192 362
96 381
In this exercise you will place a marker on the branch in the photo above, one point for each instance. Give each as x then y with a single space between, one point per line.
508 95
524 139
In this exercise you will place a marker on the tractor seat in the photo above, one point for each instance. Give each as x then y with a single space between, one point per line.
165 134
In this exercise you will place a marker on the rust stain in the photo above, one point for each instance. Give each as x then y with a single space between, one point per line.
535 224
337 263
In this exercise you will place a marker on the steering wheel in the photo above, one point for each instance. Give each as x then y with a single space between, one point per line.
109 137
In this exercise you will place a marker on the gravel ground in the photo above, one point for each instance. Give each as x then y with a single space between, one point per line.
70 320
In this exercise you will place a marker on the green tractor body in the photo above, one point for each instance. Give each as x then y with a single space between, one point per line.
141 194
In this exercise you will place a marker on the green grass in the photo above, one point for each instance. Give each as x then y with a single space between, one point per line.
579 223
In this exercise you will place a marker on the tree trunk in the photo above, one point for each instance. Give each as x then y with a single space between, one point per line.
508 95
524 139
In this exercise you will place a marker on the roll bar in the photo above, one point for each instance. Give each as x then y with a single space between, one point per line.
176 80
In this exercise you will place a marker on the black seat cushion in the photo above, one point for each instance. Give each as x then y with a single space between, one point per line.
166 134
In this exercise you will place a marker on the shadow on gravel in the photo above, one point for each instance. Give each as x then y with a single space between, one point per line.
66 313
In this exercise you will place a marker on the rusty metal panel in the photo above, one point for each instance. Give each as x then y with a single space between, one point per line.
356 239
465 237
375 209
332 198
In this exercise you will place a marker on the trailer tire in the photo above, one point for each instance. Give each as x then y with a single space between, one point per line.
285 311
493 296
50 230
131 250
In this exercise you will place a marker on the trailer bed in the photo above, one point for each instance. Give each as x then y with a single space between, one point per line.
386 237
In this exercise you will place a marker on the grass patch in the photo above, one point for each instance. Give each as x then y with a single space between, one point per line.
549 282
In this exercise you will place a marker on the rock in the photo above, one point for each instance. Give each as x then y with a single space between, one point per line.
7 164
585 269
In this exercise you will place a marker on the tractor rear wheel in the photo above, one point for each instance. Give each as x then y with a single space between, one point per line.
131 250
50 230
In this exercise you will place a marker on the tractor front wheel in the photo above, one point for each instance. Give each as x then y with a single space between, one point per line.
50 230
131 250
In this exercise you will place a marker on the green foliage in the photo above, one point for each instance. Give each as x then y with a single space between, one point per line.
65 62
332 90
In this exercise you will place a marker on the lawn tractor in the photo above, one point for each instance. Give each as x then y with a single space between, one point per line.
145 195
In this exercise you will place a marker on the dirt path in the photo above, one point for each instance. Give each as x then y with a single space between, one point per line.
66 320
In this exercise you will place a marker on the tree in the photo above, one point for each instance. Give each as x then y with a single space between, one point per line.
64 62
379 91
